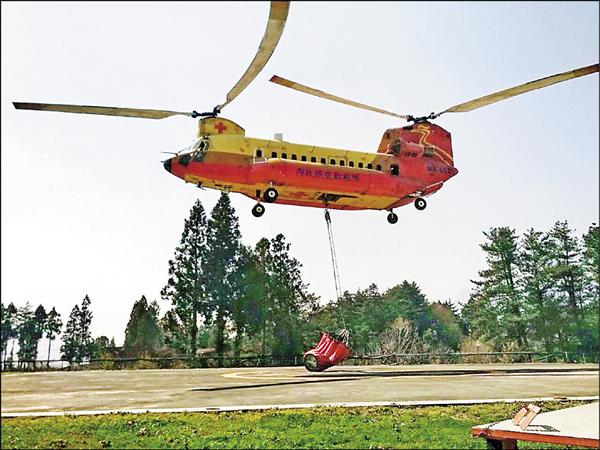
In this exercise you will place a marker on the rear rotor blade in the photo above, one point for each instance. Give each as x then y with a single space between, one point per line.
520 89
308 90
103 110
277 19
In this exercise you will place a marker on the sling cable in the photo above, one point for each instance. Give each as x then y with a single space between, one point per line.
336 270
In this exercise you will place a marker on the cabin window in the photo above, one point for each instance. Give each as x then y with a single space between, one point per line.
184 159
313 159
369 166
351 163
323 161
258 153
303 158
332 162
284 155
294 157
378 167
273 154
360 165
342 162
394 170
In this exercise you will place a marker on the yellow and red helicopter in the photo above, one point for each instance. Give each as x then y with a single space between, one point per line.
411 162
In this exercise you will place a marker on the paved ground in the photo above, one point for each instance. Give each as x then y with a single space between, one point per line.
194 388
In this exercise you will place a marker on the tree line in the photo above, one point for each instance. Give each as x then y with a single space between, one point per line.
224 294
26 327
537 292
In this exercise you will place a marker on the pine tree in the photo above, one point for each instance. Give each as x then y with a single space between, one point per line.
220 264
85 340
40 324
447 324
185 288
290 301
9 331
591 255
143 334
71 343
406 300
363 313
6 328
576 289
98 347
52 328
567 270
26 329
261 318
248 309
499 287
174 332
480 317
534 263
591 241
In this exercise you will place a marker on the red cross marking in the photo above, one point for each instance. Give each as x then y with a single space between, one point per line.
220 127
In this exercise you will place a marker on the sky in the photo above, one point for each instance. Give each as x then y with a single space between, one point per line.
87 207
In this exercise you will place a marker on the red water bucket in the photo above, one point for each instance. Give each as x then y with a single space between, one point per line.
328 352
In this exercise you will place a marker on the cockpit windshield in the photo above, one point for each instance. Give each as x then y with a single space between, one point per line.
201 146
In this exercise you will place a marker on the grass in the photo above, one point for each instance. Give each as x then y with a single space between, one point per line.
381 427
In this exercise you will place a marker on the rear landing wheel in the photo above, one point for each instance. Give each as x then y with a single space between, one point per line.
258 210
270 195
420 204
392 218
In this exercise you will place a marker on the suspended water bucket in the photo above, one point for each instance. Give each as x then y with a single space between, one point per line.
330 351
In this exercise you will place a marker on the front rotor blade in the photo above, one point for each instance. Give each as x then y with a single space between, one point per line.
520 89
277 18
102 110
308 90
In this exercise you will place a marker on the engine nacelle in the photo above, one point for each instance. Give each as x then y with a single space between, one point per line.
426 138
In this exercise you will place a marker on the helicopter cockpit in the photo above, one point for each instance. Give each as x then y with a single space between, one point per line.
201 146
195 152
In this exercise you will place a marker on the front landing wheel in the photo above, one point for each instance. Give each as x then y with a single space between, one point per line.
258 210
420 204
392 218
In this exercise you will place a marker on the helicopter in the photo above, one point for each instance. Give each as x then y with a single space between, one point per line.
411 163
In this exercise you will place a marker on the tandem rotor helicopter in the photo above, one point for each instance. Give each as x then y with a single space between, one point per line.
411 162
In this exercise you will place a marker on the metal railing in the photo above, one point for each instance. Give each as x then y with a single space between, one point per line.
176 362
475 358
209 361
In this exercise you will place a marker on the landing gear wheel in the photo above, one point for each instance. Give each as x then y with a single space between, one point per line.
420 204
392 218
258 210
270 195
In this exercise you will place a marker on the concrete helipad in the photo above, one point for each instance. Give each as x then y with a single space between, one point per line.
197 388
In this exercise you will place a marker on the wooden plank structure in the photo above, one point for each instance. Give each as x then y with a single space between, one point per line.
570 426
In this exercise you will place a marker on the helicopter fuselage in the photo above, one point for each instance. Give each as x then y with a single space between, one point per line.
401 171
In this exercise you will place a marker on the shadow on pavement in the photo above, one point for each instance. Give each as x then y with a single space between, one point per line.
283 383
411 373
